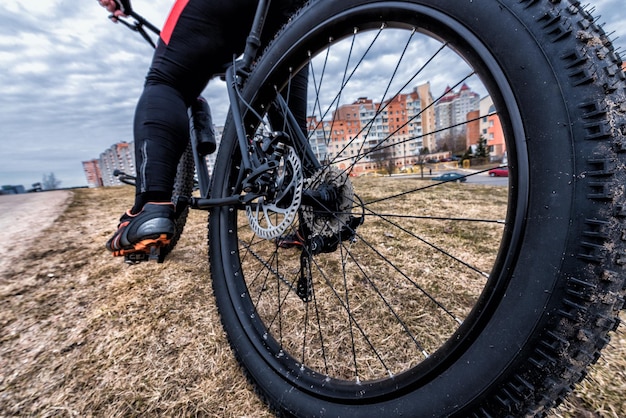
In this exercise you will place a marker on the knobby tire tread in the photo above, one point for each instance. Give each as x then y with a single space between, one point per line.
574 338
183 186
572 331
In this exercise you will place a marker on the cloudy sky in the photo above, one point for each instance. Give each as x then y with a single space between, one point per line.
69 81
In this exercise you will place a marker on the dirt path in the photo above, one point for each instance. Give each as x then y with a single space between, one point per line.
23 217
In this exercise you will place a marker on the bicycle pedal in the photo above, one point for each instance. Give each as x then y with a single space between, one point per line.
154 253
136 258
139 257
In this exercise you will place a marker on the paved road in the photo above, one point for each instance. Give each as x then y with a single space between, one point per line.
24 216
482 178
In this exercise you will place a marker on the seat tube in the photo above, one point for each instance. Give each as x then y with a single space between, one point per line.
254 38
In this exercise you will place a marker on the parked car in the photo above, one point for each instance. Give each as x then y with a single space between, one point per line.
451 177
499 172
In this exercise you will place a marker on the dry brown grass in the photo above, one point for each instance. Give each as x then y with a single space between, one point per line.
82 334
392 312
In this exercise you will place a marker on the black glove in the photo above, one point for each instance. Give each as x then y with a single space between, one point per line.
124 6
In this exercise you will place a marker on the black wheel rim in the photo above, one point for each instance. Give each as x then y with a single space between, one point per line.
262 289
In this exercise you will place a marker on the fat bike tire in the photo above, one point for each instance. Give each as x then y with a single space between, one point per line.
554 288
183 187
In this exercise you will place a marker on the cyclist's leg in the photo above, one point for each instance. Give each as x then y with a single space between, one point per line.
197 40
194 45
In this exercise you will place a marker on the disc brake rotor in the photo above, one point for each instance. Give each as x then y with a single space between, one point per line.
269 218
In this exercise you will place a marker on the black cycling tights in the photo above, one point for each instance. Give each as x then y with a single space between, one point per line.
199 38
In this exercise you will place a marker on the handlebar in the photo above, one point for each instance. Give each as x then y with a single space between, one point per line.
124 178
138 26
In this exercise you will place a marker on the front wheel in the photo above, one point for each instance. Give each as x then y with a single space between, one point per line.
400 296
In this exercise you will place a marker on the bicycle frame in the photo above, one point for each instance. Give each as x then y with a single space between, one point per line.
236 74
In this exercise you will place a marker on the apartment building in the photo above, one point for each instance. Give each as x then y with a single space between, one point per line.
485 123
491 129
92 172
361 136
366 135
120 156
451 112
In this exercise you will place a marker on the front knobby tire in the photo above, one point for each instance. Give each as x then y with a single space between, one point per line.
451 299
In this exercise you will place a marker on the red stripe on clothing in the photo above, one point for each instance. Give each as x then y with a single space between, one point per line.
170 24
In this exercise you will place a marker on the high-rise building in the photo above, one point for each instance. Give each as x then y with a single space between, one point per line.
318 132
451 113
491 130
120 156
365 135
92 173
360 136
428 116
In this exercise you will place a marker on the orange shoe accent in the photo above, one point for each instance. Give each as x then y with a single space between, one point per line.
144 246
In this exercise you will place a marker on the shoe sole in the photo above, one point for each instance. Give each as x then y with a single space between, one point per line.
144 246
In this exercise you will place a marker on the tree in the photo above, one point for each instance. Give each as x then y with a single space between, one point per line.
390 165
482 150
50 182
455 143
421 159
382 156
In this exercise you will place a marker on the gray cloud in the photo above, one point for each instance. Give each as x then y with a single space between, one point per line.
68 87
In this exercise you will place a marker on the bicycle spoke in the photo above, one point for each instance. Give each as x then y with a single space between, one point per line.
439 249
397 248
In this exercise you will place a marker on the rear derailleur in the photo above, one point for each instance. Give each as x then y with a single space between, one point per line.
325 221
315 245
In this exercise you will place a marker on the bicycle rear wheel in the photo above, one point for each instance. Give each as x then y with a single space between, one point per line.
417 297
183 187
